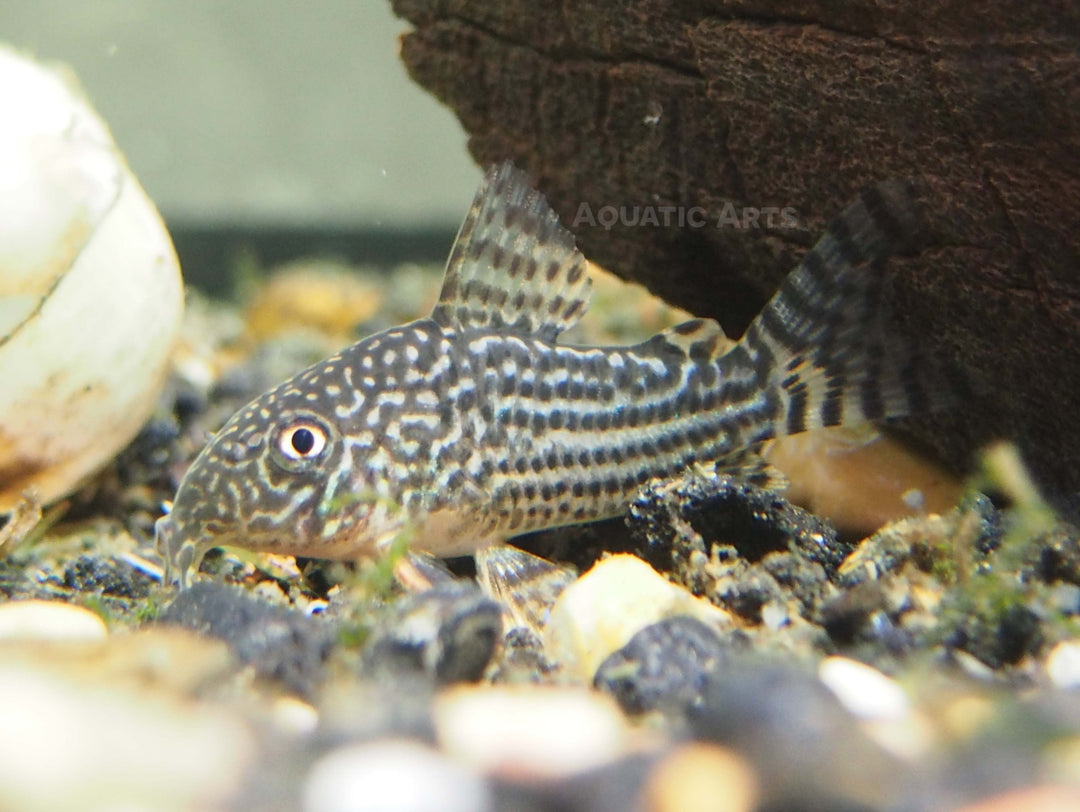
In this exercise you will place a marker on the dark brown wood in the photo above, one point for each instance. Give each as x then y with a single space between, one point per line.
732 107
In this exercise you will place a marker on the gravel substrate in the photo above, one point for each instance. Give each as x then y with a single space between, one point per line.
748 656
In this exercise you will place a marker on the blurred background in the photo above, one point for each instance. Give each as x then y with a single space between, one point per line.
265 129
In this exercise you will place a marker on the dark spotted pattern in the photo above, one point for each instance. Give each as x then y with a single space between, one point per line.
479 415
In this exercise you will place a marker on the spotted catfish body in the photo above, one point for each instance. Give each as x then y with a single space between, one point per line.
475 424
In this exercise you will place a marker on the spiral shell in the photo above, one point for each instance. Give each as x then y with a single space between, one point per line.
91 296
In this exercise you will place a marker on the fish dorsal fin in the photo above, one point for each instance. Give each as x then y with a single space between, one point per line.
513 266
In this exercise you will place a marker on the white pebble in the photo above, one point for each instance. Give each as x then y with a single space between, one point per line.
864 691
50 621
1063 664
292 715
535 730
392 776
881 705
774 615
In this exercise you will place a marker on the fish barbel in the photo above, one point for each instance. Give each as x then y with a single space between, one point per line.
476 424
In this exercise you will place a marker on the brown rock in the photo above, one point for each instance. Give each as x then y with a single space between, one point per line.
799 104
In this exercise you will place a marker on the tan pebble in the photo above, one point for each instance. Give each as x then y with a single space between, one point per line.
926 595
860 479
21 521
292 715
702 777
69 743
599 613
392 775
160 657
324 296
1063 664
910 738
49 621
1061 760
530 730
1047 798
965 716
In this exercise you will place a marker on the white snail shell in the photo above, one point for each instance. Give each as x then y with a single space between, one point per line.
91 296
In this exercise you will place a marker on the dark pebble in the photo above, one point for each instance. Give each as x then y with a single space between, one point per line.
238 382
153 445
1007 753
803 578
279 643
449 632
845 616
664 666
111 577
188 402
726 510
996 636
1059 557
749 592
613 786
991 525
797 735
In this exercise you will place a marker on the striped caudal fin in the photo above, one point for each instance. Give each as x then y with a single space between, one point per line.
823 345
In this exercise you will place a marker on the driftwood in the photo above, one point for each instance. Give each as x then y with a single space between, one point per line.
725 109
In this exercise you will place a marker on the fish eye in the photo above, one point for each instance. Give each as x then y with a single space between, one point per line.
301 441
